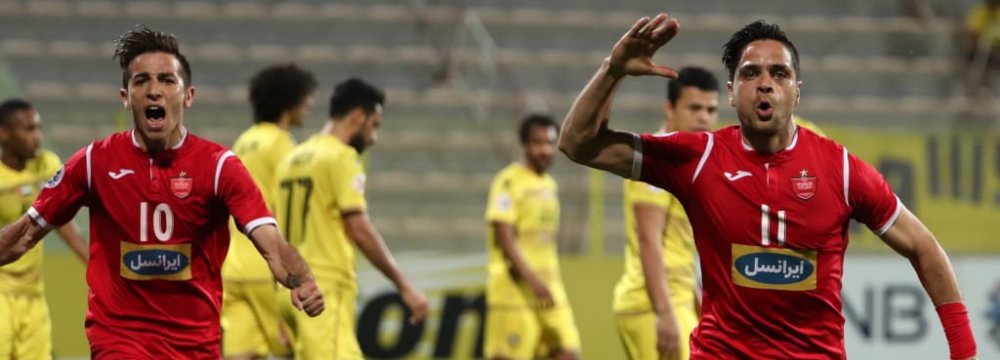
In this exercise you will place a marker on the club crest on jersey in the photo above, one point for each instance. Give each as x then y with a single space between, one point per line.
155 262
774 268
804 185
55 180
181 185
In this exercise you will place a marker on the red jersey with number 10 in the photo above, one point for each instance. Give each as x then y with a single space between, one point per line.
159 233
771 232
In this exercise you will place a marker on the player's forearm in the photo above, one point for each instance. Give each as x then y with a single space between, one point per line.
935 272
19 237
586 117
504 236
71 235
371 244
286 264
655 274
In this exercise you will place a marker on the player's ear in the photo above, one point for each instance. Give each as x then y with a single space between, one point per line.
798 92
188 96
729 90
123 93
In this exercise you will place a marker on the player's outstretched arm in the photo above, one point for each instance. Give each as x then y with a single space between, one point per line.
585 137
369 241
289 268
650 222
505 238
19 237
910 238
71 235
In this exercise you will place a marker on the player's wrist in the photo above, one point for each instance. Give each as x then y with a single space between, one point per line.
955 320
612 70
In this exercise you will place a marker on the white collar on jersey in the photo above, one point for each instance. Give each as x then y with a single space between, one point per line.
791 145
184 135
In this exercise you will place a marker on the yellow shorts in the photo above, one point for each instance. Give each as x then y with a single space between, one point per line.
526 333
250 319
331 334
25 329
638 332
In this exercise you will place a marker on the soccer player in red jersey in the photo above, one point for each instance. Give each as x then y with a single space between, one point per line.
769 202
160 199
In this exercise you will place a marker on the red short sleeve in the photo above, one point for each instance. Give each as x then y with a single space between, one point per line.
241 195
659 157
871 198
64 194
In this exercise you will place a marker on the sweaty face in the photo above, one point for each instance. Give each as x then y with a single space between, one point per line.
540 147
157 96
23 134
765 88
695 110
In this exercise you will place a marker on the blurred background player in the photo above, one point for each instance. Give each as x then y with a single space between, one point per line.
656 301
159 199
528 314
321 207
25 327
281 97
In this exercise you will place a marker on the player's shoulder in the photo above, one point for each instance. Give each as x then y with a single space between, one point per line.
204 147
508 176
47 157
819 142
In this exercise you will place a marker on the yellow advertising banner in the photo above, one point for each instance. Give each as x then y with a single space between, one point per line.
950 180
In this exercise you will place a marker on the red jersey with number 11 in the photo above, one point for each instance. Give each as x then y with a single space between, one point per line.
771 232
158 236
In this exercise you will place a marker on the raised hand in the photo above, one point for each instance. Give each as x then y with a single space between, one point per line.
633 53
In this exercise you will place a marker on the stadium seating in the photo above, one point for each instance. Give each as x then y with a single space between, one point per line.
863 62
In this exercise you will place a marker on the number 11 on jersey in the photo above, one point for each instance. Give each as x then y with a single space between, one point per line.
765 225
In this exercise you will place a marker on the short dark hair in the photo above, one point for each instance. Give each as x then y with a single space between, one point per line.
142 40
757 30
277 88
11 106
355 93
691 76
535 120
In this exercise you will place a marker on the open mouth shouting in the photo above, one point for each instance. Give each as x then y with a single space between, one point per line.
764 110
156 117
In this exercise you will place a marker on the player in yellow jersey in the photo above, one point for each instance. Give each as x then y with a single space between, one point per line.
528 315
281 96
321 208
808 125
25 329
656 299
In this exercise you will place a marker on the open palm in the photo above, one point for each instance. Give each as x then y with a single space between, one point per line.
633 53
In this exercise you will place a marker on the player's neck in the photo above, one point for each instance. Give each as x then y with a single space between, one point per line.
768 144
285 122
172 141
13 161
337 130
534 169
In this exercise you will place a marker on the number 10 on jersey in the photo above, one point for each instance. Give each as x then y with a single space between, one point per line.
163 222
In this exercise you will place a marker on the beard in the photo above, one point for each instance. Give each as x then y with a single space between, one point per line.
358 143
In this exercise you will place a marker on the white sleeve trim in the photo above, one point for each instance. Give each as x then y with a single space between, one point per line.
637 158
704 156
892 220
90 148
847 178
33 213
218 169
258 223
